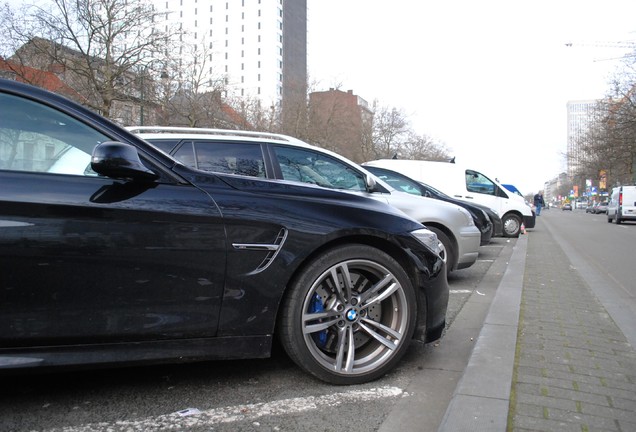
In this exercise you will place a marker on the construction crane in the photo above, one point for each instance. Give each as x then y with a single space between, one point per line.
620 44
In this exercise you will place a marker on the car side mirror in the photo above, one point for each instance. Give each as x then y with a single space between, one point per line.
119 160
371 184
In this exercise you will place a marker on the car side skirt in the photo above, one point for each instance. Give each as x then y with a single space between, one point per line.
128 354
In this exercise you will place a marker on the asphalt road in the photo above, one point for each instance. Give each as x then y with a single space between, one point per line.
258 395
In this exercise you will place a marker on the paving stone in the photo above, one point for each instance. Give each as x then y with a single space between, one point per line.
574 368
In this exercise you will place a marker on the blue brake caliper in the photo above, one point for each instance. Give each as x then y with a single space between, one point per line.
314 307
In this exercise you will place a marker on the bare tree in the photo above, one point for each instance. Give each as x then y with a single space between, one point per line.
196 96
390 127
101 48
423 147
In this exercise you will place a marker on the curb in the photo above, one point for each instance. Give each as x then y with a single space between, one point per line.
482 397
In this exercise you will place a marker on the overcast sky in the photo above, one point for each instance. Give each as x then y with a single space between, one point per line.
489 78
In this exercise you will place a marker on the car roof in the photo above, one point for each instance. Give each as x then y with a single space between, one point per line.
178 132
184 133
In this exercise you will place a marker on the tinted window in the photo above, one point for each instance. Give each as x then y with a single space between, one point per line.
34 137
229 158
308 166
165 145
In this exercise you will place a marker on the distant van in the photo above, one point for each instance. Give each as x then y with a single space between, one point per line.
622 205
467 185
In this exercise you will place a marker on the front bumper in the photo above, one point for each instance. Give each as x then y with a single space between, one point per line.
468 247
432 304
529 221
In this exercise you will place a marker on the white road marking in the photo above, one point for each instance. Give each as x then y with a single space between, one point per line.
249 412
460 291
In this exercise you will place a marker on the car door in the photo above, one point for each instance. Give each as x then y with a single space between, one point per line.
89 259
481 189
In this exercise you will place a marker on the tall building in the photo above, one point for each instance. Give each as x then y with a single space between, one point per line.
259 47
580 115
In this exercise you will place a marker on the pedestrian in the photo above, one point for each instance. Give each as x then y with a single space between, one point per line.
538 202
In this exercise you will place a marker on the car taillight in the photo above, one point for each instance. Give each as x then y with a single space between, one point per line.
620 198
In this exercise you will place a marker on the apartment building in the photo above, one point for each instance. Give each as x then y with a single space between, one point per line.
580 115
258 47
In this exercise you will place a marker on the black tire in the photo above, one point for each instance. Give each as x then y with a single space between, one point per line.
617 218
511 225
450 251
321 317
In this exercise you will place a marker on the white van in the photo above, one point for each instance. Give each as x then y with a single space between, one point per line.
622 205
468 185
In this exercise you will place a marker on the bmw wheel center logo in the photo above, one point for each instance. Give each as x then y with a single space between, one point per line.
352 315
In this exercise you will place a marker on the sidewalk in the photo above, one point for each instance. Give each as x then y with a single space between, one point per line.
549 357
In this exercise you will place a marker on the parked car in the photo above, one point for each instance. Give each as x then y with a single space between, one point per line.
470 185
601 207
622 204
566 206
113 252
591 208
282 158
407 184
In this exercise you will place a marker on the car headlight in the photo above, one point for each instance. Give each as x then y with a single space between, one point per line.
467 216
429 239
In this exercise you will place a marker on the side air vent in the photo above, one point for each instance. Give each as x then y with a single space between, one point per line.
272 249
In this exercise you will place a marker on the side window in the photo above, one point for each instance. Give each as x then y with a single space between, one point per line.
400 184
244 159
37 138
165 145
185 154
308 166
479 183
